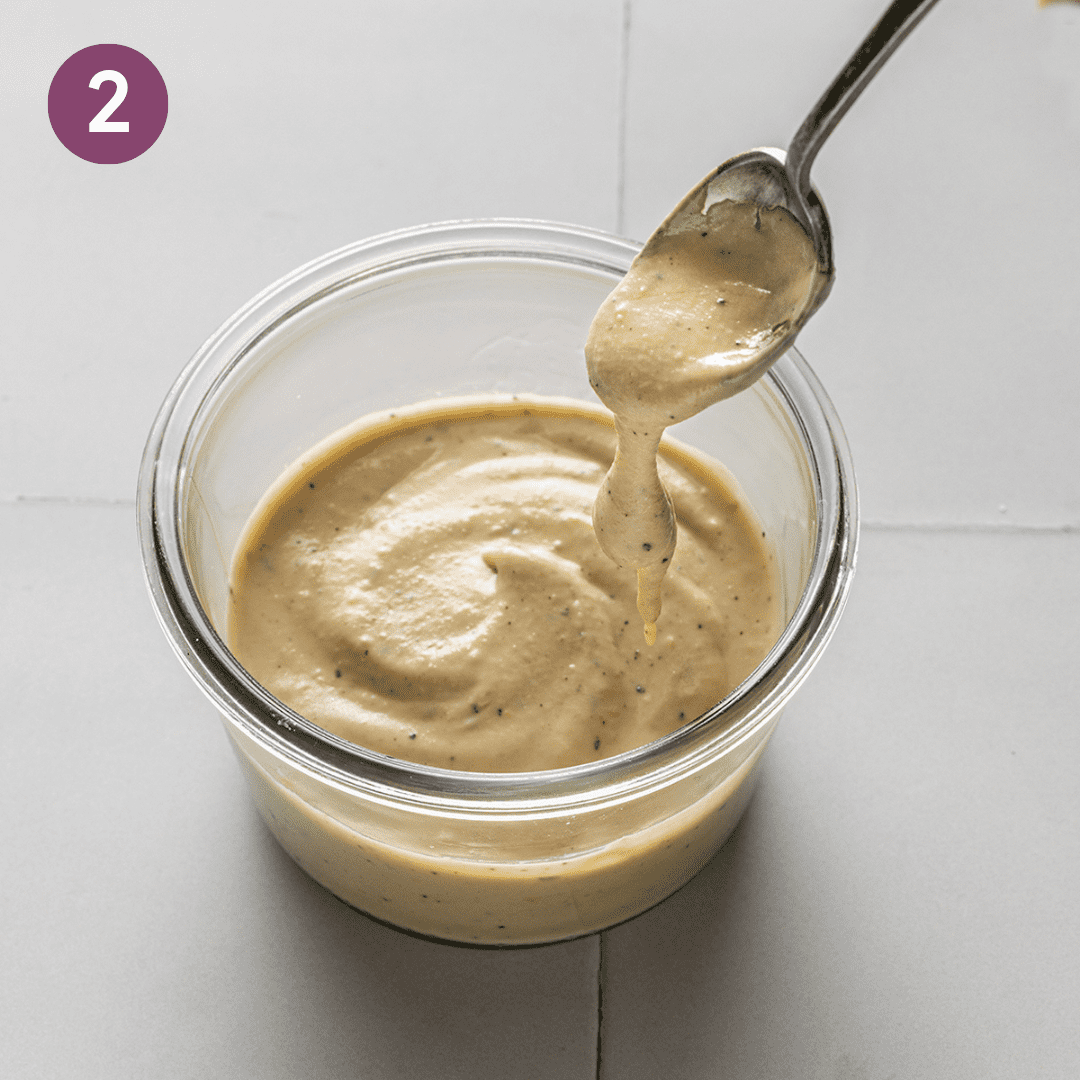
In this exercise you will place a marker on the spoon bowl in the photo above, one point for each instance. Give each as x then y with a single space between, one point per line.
760 178
770 179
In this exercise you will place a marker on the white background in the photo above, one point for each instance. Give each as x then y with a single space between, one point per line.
901 899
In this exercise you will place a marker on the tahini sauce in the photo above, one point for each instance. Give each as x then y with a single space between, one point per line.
681 331
427 584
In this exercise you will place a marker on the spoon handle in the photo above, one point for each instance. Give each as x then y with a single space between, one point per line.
900 18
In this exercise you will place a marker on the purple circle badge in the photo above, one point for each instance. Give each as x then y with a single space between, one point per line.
108 104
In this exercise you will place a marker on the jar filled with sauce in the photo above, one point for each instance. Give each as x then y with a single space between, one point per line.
488 309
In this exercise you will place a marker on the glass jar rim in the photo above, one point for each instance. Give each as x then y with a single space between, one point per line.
730 723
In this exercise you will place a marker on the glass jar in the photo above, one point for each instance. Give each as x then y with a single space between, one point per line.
448 310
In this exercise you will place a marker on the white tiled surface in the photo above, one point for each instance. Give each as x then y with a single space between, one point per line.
901 899
151 925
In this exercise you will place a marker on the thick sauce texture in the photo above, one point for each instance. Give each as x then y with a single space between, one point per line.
428 584
685 328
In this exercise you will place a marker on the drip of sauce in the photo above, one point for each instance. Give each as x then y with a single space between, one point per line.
683 330
427 584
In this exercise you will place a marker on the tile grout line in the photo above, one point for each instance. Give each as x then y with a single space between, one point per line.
600 1006
620 151
986 527
870 525
64 500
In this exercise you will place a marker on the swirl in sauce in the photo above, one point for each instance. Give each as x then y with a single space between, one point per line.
427 584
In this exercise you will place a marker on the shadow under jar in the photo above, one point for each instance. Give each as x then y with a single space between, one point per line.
442 311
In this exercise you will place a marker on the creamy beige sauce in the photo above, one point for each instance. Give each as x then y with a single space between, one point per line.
539 881
428 584
683 330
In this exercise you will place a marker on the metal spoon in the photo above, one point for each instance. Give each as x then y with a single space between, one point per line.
769 178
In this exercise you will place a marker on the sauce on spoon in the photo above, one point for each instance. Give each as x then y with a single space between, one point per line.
687 327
